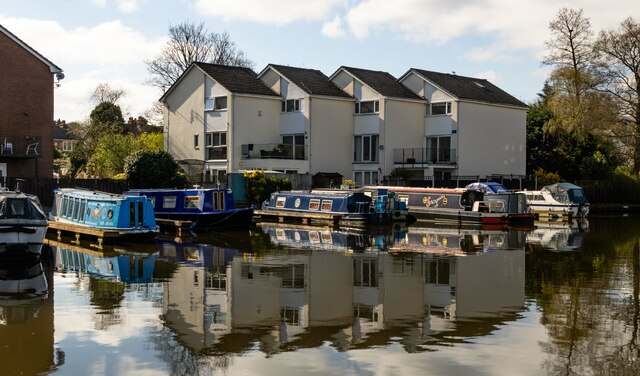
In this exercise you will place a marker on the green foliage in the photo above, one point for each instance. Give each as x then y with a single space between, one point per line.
153 169
545 178
260 187
108 114
152 141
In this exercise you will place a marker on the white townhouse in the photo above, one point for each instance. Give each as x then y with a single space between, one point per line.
315 127
386 116
471 127
211 111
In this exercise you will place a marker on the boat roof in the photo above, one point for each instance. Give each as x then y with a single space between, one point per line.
557 186
14 194
419 189
86 193
172 190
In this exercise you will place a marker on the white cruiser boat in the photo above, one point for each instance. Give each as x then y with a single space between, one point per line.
23 225
558 200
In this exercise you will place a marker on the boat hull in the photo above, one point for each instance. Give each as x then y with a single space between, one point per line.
236 218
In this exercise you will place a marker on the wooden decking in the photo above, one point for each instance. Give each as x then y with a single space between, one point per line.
180 228
101 236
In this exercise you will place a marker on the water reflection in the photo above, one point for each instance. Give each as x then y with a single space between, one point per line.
249 302
26 319
559 236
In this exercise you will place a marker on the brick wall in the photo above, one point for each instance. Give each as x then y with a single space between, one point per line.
27 88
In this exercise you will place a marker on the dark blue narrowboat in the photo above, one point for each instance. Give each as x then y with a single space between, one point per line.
82 208
345 207
207 208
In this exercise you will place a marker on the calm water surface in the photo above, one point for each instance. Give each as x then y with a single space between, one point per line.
275 300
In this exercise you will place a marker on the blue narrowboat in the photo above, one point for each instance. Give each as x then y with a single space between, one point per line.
126 215
344 207
207 208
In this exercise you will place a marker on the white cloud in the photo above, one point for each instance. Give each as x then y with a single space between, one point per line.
108 52
129 6
99 3
334 28
274 12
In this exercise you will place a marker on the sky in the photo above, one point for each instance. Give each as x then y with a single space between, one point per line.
108 41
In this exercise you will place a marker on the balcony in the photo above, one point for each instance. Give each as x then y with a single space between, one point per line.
273 151
424 156
20 147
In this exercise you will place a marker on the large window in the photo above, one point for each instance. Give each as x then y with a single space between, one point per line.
294 146
366 148
216 145
366 177
439 108
367 107
439 149
216 104
291 105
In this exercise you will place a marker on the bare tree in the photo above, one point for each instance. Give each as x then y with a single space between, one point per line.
190 43
619 51
105 93
570 51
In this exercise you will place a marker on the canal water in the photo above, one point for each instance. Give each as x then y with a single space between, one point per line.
290 300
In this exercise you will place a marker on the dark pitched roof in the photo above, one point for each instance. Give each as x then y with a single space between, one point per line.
236 79
312 81
382 82
61 133
476 89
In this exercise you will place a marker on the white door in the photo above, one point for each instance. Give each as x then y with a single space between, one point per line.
3 174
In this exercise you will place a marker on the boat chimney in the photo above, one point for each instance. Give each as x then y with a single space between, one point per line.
19 185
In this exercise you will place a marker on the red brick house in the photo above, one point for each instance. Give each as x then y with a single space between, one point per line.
26 109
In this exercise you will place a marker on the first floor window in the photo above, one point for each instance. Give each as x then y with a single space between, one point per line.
439 108
294 146
367 107
216 144
366 177
366 148
216 104
196 140
439 149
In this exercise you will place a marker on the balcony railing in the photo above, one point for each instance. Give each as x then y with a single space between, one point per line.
424 156
273 151
20 147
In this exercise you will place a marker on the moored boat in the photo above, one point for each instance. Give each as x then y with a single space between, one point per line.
340 207
461 206
125 216
206 208
23 225
558 201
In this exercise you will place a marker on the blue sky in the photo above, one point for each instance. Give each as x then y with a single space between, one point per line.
98 41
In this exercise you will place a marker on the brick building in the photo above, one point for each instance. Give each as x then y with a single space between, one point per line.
26 109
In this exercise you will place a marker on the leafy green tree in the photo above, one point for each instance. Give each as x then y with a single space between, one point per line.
152 141
260 187
109 156
108 116
153 169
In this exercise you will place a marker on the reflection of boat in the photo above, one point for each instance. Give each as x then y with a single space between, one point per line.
461 206
563 236
210 208
337 207
23 225
458 241
558 200
195 253
105 264
124 216
23 280
325 238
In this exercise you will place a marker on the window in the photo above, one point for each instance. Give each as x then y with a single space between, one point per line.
367 107
439 149
169 202
216 104
280 202
439 108
291 105
216 145
196 140
326 205
366 177
366 148
191 202
293 146
365 273
314 204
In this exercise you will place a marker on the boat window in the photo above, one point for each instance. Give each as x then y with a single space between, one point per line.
280 202
17 208
81 211
169 202
63 210
76 206
140 213
220 201
191 202
314 204
69 208
326 205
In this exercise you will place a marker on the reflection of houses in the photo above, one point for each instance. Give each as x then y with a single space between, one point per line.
26 109
355 299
